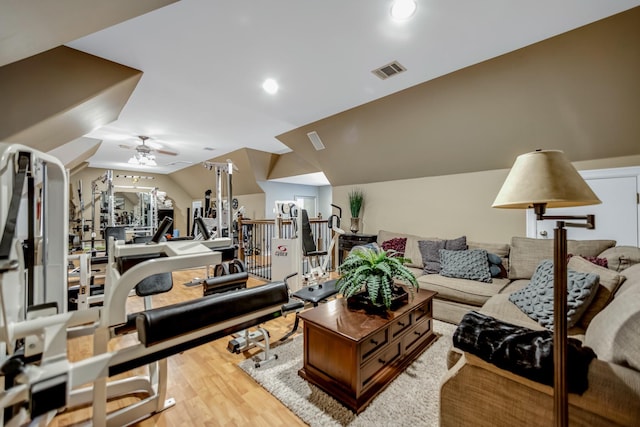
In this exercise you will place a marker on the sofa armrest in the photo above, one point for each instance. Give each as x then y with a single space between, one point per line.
475 392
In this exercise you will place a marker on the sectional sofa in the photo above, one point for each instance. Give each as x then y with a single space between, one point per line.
475 392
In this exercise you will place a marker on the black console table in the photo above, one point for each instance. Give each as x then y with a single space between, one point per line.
348 241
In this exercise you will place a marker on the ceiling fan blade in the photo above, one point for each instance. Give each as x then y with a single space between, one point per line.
168 153
127 147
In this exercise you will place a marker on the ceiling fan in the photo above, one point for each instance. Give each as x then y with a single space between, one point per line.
144 153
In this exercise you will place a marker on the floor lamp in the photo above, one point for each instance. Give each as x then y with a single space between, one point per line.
546 179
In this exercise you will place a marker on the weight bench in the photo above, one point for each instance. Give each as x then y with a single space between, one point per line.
169 330
229 282
316 294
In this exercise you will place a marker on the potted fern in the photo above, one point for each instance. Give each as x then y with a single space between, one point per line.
367 279
356 200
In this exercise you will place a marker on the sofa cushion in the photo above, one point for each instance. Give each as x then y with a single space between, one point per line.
632 281
500 249
461 290
621 257
609 282
602 262
527 253
470 264
430 251
411 248
500 307
397 244
536 299
613 333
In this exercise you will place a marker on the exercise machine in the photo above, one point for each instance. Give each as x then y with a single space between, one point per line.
223 208
38 379
319 272
294 249
286 246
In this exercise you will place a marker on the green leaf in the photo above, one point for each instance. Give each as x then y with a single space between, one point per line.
374 270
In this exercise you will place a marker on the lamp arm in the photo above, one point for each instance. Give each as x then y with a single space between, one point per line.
540 209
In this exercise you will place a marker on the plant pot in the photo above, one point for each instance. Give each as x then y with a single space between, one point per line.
399 297
355 225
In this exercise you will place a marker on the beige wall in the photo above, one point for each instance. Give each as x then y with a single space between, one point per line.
253 205
448 206
577 92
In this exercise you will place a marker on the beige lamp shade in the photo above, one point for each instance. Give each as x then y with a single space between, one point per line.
544 177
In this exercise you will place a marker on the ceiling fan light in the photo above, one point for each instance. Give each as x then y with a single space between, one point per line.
403 9
150 162
142 159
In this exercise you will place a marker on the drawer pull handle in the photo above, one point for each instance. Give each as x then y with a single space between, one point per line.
417 333
382 361
374 342
402 324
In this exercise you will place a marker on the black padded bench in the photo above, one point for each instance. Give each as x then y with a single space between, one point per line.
226 283
316 294
169 322
154 284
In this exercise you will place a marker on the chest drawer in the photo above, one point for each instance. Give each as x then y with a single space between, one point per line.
381 360
373 343
423 312
400 325
414 336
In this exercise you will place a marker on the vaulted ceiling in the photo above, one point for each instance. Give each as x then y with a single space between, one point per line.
484 82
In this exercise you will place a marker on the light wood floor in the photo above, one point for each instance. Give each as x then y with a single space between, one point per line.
209 388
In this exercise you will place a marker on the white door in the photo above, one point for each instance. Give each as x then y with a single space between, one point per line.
617 218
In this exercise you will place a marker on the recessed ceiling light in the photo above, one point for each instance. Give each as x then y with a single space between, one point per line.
403 9
270 86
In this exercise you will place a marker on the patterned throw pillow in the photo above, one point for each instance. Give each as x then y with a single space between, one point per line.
397 244
536 299
602 262
471 264
429 249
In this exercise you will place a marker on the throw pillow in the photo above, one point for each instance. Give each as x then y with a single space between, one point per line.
613 333
621 257
373 246
609 283
429 249
495 266
602 262
536 299
526 253
471 264
397 244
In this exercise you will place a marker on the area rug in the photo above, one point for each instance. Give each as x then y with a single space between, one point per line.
411 399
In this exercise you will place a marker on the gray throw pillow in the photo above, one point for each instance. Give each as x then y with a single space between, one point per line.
536 299
429 249
472 264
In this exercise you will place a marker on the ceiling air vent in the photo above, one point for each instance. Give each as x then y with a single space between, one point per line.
315 140
391 69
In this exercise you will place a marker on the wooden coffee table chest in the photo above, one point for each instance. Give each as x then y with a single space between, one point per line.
353 355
